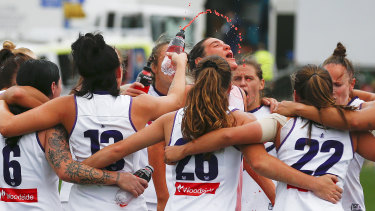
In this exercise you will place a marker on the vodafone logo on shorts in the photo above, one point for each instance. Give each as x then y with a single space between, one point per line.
19 195
195 189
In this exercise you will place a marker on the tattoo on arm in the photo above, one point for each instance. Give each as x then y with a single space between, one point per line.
60 158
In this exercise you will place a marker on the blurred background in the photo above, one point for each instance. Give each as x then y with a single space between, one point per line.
282 34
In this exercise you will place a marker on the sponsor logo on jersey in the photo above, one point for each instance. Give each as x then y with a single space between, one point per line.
195 189
355 207
19 195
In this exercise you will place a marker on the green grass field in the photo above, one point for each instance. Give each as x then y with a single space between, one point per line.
368 184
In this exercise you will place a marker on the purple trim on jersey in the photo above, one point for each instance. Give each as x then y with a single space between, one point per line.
102 92
236 148
40 144
174 120
157 92
360 106
294 124
268 149
75 121
130 116
352 100
244 105
235 109
351 141
256 109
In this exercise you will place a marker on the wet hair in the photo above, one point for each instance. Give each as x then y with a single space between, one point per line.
96 63
155 53
9 69
153 58
39 74
36 73
250 60
196 51
207 102
339 57
314 87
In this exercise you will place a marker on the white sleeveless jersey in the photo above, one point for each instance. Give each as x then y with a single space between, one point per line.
102 121
150 192
65 188
27 181
236 98
253 197
329 151
204 183
352 197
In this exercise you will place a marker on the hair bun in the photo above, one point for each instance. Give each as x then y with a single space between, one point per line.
99 41
209 63
9 45
340 50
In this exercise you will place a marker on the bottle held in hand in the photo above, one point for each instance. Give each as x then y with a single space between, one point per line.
145 77
122 197
176 45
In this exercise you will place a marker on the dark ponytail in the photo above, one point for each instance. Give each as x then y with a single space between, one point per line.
196 52
96 63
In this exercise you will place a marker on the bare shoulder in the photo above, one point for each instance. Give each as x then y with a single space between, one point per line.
64 104
64 99
168 117
243 117
144 100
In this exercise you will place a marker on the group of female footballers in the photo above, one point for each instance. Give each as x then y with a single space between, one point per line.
96 138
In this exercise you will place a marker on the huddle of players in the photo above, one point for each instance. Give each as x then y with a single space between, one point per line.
96 106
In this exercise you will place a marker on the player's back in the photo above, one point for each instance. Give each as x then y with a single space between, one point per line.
353 198
253 197
204 181
27 181
101 121
328 151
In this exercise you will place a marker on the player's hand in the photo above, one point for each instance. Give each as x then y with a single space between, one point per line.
130 89
286 108
178 58
271 102
131 183
327 189
172 154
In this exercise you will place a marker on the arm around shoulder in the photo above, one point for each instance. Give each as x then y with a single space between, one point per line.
56 111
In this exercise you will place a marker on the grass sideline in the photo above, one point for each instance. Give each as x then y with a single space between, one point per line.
368 183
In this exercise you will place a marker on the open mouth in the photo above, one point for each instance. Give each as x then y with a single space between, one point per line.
229 55
245 92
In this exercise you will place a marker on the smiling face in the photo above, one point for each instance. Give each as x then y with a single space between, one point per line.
342 84
213 46
246 78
